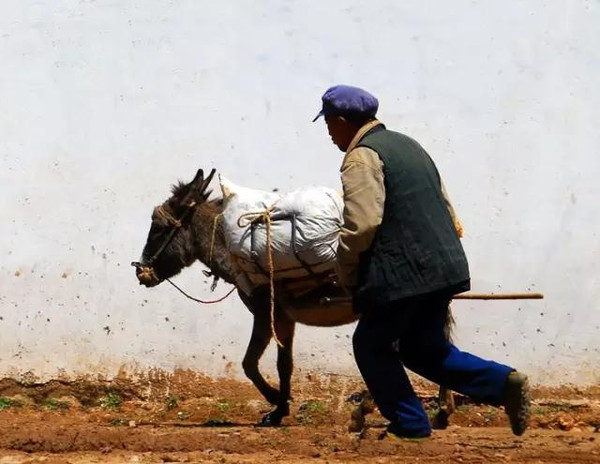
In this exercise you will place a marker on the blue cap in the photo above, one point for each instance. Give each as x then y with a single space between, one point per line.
344 100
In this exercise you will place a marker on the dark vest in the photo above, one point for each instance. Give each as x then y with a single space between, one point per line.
416 249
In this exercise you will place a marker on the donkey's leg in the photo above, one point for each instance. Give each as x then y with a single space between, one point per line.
447 400
364 405
447 407
445 395
284 327
261 335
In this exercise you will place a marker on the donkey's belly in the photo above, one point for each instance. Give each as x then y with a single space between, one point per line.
308 309
322 316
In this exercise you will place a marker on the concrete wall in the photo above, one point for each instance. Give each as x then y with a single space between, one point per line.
106 103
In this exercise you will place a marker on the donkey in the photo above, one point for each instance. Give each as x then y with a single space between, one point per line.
184 229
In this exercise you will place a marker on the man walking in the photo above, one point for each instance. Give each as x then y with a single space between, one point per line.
400 254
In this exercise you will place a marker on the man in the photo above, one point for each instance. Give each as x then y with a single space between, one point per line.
400 255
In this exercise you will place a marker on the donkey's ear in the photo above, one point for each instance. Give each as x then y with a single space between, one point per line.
196 187
199 185
208 179
198 179
185 192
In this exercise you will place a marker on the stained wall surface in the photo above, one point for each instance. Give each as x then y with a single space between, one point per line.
105 104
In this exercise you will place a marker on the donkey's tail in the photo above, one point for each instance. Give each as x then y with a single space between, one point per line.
450 322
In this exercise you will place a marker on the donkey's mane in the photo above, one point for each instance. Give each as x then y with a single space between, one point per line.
178 188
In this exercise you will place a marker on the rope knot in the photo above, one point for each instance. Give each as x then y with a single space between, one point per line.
163 213
255 217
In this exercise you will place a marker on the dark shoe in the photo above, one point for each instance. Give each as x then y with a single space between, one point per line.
517 401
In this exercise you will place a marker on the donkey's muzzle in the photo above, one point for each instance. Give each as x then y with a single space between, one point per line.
145 274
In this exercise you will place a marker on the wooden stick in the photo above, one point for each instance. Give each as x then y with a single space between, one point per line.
461 296
498 296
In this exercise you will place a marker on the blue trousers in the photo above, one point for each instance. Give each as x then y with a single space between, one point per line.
417 325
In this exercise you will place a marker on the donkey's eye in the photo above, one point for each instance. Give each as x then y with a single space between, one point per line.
155 229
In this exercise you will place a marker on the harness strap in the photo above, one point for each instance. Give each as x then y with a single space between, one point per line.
304 264
175 223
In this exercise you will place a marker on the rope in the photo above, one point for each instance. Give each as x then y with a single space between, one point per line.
253 217
243 221
162 212
212 239
147 273
201 301
272 286
256 217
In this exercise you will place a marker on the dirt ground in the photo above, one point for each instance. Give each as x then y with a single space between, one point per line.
184 417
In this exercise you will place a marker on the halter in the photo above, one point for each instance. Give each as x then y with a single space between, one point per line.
175 224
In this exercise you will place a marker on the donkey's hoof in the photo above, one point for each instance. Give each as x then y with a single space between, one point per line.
356 425
270 420
441 420
356 397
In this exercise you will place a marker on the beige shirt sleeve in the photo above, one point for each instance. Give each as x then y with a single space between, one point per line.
364 198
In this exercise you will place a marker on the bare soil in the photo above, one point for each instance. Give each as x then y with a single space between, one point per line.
185 417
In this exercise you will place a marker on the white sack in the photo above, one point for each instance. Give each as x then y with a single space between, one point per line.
318 212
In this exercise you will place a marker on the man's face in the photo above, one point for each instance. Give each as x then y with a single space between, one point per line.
340 131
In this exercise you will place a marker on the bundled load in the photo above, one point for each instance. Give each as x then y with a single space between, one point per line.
294 235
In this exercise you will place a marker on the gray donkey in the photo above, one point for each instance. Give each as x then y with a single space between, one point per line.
185 229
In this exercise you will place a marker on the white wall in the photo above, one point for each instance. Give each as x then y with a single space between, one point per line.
106 103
